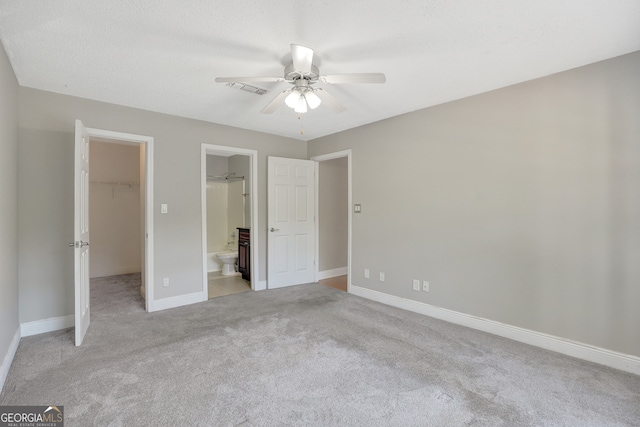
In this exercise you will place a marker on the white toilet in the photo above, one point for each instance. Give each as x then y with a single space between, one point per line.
229 259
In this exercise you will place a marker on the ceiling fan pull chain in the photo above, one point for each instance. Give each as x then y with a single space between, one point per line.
301 124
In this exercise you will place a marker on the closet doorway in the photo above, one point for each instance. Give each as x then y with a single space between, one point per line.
144 145
116 215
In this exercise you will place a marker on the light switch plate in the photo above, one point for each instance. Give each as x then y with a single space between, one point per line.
357 208
164 208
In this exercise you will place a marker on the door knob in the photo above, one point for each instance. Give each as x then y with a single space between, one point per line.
274 229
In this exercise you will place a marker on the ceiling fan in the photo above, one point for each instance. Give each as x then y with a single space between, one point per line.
302 74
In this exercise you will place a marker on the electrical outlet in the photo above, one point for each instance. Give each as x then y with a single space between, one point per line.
425 286
381 276
165 282
366 273
416 284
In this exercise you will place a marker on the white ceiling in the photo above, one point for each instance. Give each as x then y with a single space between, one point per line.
163 55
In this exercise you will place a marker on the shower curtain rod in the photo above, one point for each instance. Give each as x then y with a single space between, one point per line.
224 178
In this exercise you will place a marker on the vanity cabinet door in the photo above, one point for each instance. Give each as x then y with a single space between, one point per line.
244 253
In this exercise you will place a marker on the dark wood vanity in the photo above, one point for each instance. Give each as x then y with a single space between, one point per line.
244 253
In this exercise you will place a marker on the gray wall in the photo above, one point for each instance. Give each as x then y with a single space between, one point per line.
332 214
45 207
217 165
519 205
8 205
46 123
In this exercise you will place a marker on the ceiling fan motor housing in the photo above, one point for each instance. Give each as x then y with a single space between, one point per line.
291 74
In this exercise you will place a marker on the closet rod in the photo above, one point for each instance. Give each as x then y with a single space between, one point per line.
123 183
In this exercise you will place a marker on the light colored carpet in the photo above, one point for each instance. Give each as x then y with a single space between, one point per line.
306 355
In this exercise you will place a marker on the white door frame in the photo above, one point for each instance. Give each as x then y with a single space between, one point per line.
147 141
318 159
225 151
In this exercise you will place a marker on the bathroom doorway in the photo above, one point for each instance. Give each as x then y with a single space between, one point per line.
229 212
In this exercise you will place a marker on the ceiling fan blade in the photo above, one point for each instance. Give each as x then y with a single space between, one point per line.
354 78
249 79
329 100
302 58
276 102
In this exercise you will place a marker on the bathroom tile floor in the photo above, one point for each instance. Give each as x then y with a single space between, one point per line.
226 285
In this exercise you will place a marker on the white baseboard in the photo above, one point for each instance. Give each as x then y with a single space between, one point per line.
116 271
613 359
260 285
179 301
327 274
47 325
8 358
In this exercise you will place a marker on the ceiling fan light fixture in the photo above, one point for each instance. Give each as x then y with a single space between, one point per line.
301 107
292 99
312 99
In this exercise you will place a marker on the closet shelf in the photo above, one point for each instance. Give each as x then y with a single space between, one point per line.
116 183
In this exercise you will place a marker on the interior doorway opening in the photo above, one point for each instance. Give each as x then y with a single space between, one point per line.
121 207
230 242
116 206
334 219
228 217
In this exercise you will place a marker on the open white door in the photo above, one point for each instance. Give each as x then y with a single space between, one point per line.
81 232
291 241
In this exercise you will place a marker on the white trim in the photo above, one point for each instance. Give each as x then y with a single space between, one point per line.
179 301
327 274
316 225
47 325
149 232
203 218
118 271
613 359
8 358
221 150
261 286
331 156
148 142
